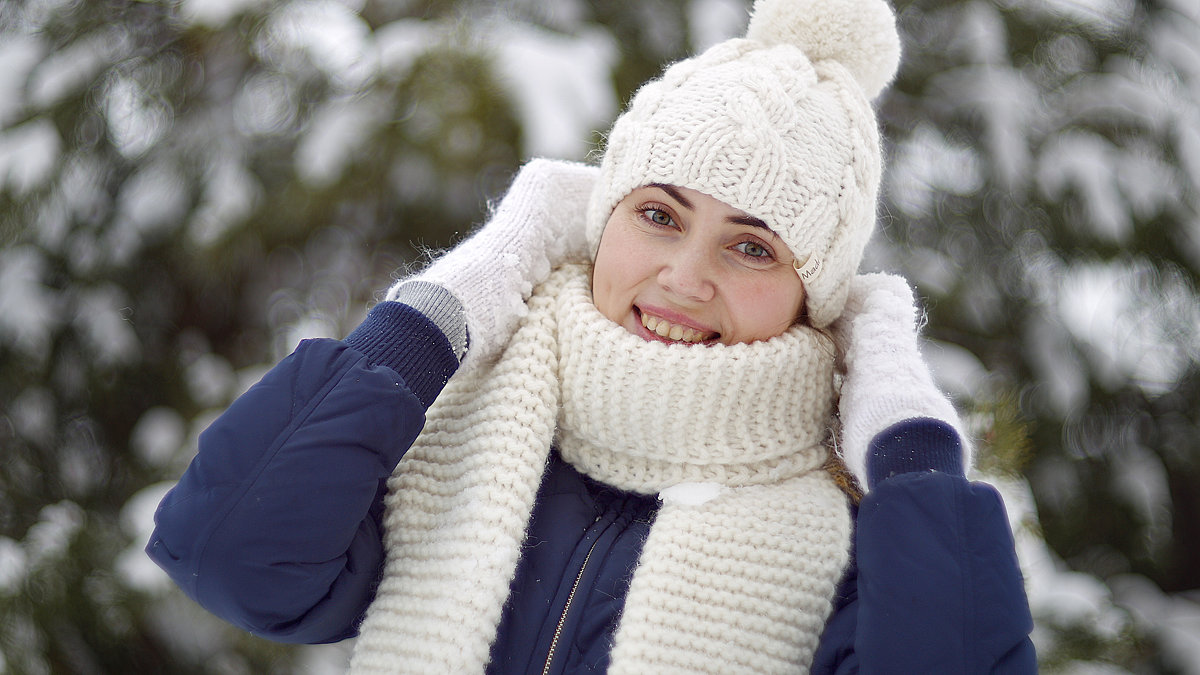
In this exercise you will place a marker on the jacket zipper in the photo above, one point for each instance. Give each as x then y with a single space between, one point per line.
567 607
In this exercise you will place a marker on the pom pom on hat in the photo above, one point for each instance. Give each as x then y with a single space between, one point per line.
779 125
859 34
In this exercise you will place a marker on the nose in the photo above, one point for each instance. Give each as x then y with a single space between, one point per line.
688 272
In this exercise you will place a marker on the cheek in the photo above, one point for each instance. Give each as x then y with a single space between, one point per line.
608 273
768 309
601 284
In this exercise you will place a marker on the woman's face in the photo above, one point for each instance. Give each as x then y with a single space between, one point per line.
677 265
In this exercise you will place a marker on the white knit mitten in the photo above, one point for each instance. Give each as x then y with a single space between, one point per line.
538 225
886 380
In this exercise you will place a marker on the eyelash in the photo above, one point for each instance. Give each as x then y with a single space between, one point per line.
648 209
645 211
768 254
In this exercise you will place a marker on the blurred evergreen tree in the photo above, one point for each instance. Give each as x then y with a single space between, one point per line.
182 194
1042 194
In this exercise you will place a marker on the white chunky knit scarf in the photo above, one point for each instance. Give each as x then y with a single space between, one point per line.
742 561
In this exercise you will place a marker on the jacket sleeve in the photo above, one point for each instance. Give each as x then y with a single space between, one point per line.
275 525
935 585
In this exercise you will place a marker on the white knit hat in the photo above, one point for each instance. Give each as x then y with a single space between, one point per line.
778 124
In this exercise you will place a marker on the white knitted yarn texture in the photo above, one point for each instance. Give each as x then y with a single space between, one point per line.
739 582
886 379
457 508
778 124
646 415
742 582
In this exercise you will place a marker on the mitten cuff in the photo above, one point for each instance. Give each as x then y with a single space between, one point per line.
914 445
403 339
439 306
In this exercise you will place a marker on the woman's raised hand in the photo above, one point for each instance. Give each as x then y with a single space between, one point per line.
538 225
886 380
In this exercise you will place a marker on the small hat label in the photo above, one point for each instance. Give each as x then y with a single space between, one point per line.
808 267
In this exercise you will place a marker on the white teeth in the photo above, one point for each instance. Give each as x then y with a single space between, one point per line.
666 329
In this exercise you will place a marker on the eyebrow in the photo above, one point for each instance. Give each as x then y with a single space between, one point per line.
747 220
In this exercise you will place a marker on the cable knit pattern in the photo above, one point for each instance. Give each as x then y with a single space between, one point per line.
738 580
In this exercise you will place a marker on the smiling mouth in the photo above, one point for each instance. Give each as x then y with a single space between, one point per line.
672 331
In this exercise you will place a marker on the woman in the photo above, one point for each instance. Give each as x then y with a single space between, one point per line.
630 471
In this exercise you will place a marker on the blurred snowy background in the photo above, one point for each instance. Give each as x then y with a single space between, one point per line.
188 187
